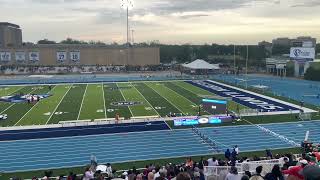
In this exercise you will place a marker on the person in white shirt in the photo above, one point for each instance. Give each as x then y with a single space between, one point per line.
88 175
213 162
109 170
233 174
236 148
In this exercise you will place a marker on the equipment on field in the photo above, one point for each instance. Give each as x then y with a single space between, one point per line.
3 116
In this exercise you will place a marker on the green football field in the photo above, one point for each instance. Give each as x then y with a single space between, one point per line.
70 102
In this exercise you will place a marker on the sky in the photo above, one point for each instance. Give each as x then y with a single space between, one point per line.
169 21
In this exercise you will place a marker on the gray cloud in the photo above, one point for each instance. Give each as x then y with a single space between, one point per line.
308 3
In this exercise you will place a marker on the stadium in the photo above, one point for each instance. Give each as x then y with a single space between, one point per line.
96 111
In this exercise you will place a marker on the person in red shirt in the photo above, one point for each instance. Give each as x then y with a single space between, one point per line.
296 170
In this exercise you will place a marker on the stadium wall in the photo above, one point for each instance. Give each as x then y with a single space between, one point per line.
48 55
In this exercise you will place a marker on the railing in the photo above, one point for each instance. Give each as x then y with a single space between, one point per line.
215 172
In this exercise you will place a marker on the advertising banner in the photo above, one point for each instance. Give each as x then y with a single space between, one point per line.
301 53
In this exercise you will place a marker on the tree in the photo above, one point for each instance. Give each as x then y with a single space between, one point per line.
312 74
73 41
46 41
279 50
97 43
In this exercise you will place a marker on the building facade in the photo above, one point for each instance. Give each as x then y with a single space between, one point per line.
10 35
14 52
62 54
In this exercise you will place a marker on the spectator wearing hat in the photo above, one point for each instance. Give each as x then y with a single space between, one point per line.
296 171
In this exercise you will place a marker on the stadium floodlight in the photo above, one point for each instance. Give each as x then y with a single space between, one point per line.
127 5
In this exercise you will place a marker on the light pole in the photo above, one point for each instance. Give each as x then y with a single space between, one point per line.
132 37
234 59
247 66
127 4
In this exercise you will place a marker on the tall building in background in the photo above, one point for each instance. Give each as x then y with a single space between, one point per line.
10 35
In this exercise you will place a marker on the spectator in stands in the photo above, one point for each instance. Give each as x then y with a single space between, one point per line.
257 175
201 163
296 171
236 148
109 170
311 173
227 154
189 162
71 176
212 161
146 171
156 173
275 174
183 176
150 176
131 175
245 177
88 174
248 173
233 174
269 154
139 177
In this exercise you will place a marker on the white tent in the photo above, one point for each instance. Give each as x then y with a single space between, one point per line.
201 64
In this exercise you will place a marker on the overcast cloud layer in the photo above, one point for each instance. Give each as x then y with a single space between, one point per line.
169 21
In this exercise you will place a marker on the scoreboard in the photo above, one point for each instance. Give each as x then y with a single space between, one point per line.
214 106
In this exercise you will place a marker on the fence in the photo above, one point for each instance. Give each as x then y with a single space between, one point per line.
218 172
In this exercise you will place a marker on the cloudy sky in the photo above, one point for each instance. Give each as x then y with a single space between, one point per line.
169 21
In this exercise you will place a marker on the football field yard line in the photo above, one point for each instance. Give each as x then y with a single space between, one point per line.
18 110
186 104
16 103
16 89
31 108
208 93
85 91
165 98
145 99
104 101
92 107
58 104
8 94
7 108
181 95
124 99
41 113
232 105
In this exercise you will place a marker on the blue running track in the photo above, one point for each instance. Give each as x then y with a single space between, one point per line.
300 90
48 153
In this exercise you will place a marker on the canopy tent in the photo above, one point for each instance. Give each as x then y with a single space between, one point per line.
201 64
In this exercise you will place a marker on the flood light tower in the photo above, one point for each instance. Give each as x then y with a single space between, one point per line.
127 5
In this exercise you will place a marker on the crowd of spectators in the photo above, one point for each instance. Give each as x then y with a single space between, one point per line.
305 167
64 69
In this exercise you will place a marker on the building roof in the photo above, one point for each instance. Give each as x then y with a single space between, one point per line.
201 64
9 24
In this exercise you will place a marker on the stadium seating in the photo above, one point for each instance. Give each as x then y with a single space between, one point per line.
200 170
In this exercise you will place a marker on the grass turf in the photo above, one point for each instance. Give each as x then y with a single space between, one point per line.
94 101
